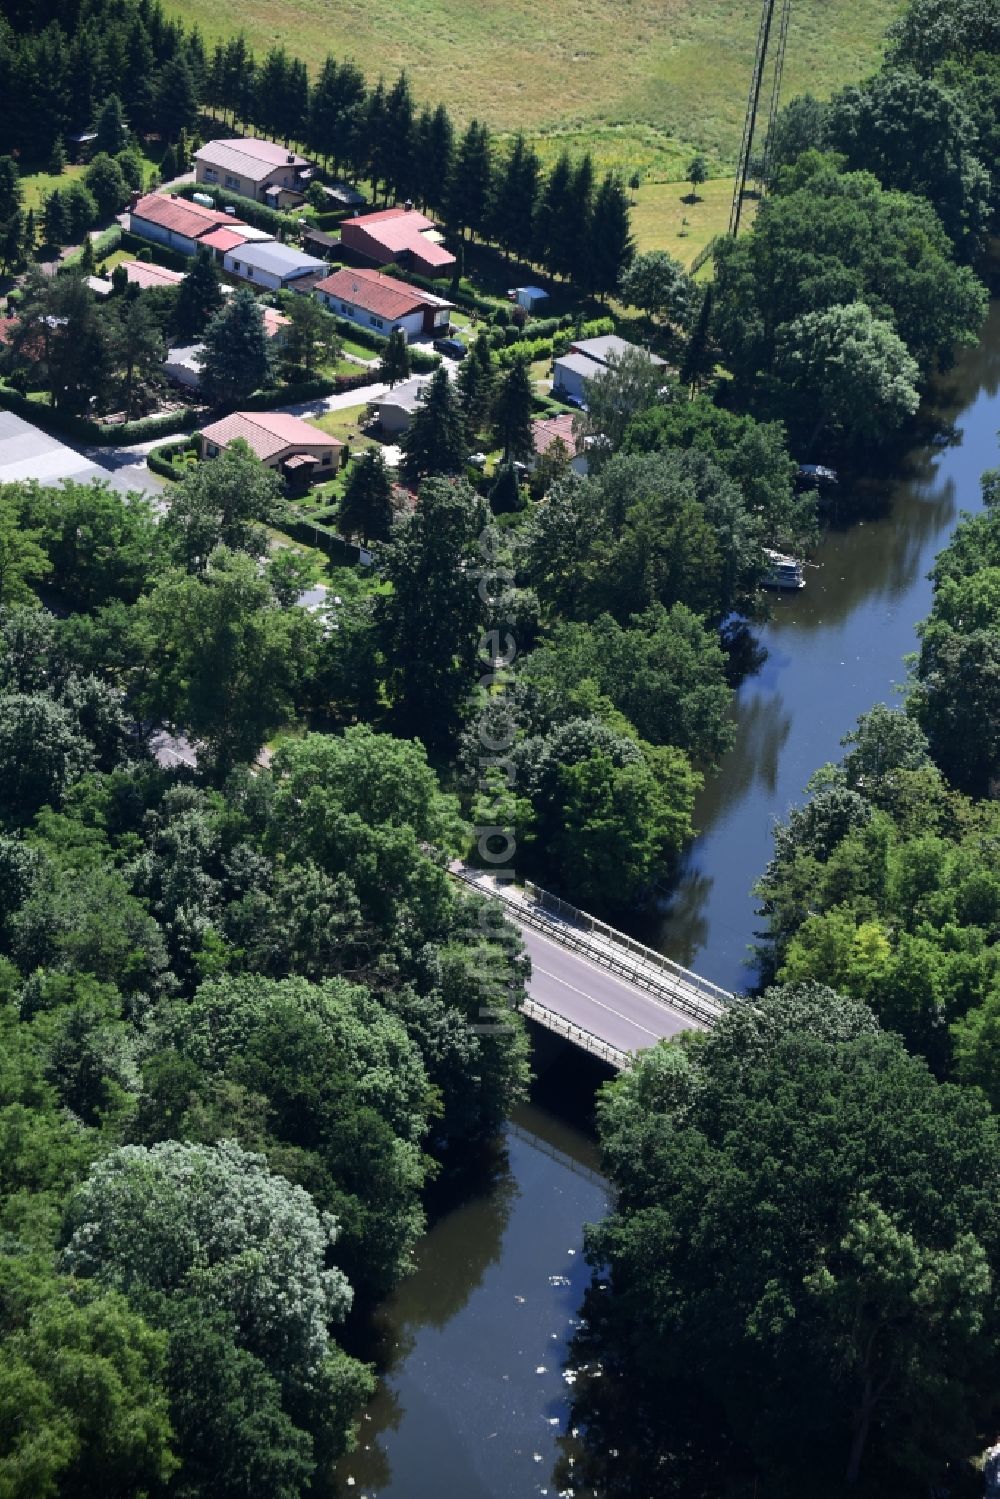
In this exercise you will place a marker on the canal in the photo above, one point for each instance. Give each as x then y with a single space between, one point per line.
473 1395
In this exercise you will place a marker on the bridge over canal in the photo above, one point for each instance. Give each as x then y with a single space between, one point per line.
593 985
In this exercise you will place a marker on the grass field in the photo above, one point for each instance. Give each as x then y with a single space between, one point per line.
663 219
660 75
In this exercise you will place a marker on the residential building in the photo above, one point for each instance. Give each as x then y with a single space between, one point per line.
146 276
183 364
611 347
256 169
588 359
547 431
175 222
282 442
400 235
270 265
395 409
383 303
276 325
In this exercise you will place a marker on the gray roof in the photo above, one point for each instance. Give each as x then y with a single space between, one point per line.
611 346
406 395
580 365
250 157
189 356
279 260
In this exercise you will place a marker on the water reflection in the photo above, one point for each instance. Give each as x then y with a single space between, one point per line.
833 650
472 1398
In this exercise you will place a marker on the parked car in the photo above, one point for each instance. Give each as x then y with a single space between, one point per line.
454 348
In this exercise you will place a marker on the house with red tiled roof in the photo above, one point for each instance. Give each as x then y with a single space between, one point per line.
175 222
548 431
400 235
147 276
281 441
383 303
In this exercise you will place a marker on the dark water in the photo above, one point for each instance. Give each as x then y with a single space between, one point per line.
473 1396
462 1410
834 649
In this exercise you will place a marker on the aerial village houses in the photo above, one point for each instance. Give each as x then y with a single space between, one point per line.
256 169
176 223
282 442
400 235
383 303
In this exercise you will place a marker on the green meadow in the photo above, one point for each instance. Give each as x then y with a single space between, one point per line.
641 81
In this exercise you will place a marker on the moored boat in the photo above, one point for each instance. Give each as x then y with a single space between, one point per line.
782 571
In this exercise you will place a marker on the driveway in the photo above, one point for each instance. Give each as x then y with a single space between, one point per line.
26 452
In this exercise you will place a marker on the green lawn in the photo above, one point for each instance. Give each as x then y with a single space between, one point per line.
662 219
37 186
649 78
344 426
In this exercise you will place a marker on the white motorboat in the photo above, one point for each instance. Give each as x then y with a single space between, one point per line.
782 571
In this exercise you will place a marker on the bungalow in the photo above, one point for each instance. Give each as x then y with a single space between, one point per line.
611 347
175 222
270 265
147 276
276 325
547 431
282 442
588 359
395 409
402 235
381 302
256 169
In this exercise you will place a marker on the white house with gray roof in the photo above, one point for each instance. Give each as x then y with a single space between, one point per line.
588 359
270 265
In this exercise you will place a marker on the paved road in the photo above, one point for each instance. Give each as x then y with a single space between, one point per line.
595 999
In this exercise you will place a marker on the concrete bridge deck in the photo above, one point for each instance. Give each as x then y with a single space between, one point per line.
599 988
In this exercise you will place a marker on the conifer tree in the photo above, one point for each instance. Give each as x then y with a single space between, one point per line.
471 179
435 440
366 509
611 243
512 412
112 127
395 362
199 297
237 358
475 382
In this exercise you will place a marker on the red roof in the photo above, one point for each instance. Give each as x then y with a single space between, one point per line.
374 292
188 219
146 275
396 231
274 321
549 430
267 433
224 238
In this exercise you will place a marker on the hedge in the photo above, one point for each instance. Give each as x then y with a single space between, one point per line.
103 245
160 460
174 260
443 288
83 429
420 359
322 537
246 208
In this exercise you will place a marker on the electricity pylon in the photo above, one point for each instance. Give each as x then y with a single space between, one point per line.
764 57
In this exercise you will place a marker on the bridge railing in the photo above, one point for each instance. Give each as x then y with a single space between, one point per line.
712 992
578 1034
667 982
